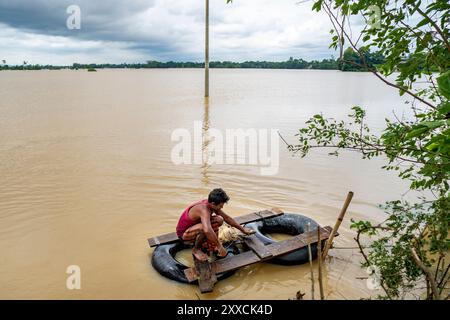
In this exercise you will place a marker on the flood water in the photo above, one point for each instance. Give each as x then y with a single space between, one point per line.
87 176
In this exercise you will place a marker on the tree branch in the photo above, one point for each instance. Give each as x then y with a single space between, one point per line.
436 27
357 239
333 17
427 273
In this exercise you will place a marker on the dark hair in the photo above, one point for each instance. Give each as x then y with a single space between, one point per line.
218 196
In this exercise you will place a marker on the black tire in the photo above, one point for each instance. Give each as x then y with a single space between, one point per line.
288 223
163 260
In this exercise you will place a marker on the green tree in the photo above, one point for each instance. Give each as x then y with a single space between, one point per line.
353 61
410 248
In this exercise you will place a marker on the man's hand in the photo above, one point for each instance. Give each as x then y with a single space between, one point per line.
221 251
248 231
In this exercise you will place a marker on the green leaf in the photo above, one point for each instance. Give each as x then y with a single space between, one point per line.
432 124
422 23
433 146
417 132
444 108
444 84
317 5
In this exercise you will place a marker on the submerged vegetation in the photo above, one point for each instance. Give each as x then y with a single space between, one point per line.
409 250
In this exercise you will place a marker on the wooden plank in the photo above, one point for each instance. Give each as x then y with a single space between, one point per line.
252 217
276 249
206 277
191 274
236 262
297 242
257 246
163 239
257 216
228 263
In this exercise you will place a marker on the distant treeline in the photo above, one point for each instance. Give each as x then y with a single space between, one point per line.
31 67
326 64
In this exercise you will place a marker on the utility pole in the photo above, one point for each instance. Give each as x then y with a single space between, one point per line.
206 48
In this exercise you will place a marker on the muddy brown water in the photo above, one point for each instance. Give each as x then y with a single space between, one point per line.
87 176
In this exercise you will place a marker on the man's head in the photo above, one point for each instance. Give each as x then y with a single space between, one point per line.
217 198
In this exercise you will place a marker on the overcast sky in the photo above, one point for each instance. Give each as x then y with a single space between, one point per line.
119 31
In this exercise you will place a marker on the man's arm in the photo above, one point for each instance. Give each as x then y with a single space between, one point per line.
205 218
233 223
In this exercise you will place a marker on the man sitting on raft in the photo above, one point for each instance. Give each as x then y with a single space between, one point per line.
200 224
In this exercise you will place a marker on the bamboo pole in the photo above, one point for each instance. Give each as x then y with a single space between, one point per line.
319 262
206 48
310 261
337 224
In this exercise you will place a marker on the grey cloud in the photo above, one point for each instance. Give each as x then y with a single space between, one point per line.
49 17
165 29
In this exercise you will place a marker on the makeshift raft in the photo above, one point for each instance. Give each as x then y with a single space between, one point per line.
205 272
252 217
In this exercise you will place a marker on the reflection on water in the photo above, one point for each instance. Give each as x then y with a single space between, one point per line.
206 140
87 176
279 236
185 257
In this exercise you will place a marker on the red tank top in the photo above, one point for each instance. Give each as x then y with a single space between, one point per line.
185 222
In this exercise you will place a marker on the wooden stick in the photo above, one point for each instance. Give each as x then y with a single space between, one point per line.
310 261
338 223
319 262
